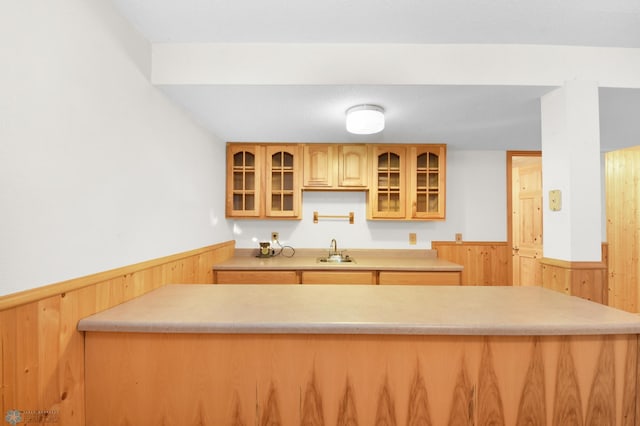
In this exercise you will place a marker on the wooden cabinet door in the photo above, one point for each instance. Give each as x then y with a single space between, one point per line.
387 191
335 166
420 278
353 166
244 178
256 277
283 192
427 181
338 277
319 166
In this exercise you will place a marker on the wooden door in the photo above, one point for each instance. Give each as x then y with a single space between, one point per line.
526 220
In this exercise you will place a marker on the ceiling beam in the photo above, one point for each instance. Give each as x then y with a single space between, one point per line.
389 64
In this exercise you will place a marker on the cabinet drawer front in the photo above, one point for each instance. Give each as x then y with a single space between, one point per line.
338 277
420 278
256 277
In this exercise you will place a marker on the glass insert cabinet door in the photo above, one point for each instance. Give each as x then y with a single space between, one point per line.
427 182
389 192
243 188
283 181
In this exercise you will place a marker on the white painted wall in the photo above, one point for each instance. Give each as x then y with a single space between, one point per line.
97 168
476 207
571 160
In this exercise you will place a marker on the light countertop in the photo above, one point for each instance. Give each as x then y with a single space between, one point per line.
307 259
357 309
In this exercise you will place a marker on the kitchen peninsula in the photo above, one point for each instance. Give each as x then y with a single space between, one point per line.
360 355
364 266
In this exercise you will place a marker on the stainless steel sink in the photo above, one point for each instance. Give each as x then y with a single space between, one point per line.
336 258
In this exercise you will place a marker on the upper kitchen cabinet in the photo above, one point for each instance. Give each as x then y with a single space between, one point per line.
408 182
335 167
427 181
263 181
388 192
283 196
244 181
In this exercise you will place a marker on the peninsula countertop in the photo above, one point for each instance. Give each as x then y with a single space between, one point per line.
363 259
357 309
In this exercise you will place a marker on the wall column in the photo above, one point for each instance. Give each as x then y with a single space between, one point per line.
572 237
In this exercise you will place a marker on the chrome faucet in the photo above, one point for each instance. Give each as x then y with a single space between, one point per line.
333 248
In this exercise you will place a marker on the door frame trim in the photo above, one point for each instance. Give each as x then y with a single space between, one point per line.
510 155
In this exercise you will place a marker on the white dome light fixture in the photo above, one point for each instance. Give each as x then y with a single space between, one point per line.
365 119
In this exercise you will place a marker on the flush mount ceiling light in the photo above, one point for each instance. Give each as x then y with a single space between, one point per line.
365 119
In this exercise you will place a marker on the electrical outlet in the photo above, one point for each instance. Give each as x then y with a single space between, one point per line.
459 237
412 238
274 236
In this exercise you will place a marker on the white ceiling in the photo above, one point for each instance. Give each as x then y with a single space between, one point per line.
464 117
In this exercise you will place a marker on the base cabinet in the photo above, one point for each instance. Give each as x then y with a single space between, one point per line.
256 277
253 379
338 277
420 278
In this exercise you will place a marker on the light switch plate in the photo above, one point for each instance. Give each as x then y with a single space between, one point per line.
413 239
555 200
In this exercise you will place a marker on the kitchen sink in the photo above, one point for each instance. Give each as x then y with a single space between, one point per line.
337 258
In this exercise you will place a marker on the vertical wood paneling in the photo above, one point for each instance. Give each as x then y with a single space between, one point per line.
490 409
485 263
347 413
583 279
42 365
622 177
8 331
532 409
26 346
601 409
567 406
390 380
630 382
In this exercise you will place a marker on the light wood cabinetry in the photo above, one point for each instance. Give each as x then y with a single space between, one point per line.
335 167
283 197
404 181
420 277
256 277
338 277
427 181
387 192
244 181
263 181
408 182
314 276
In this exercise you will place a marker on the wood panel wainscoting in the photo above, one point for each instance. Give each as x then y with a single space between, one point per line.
485 263
583 279
42 365
317 380
622 177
